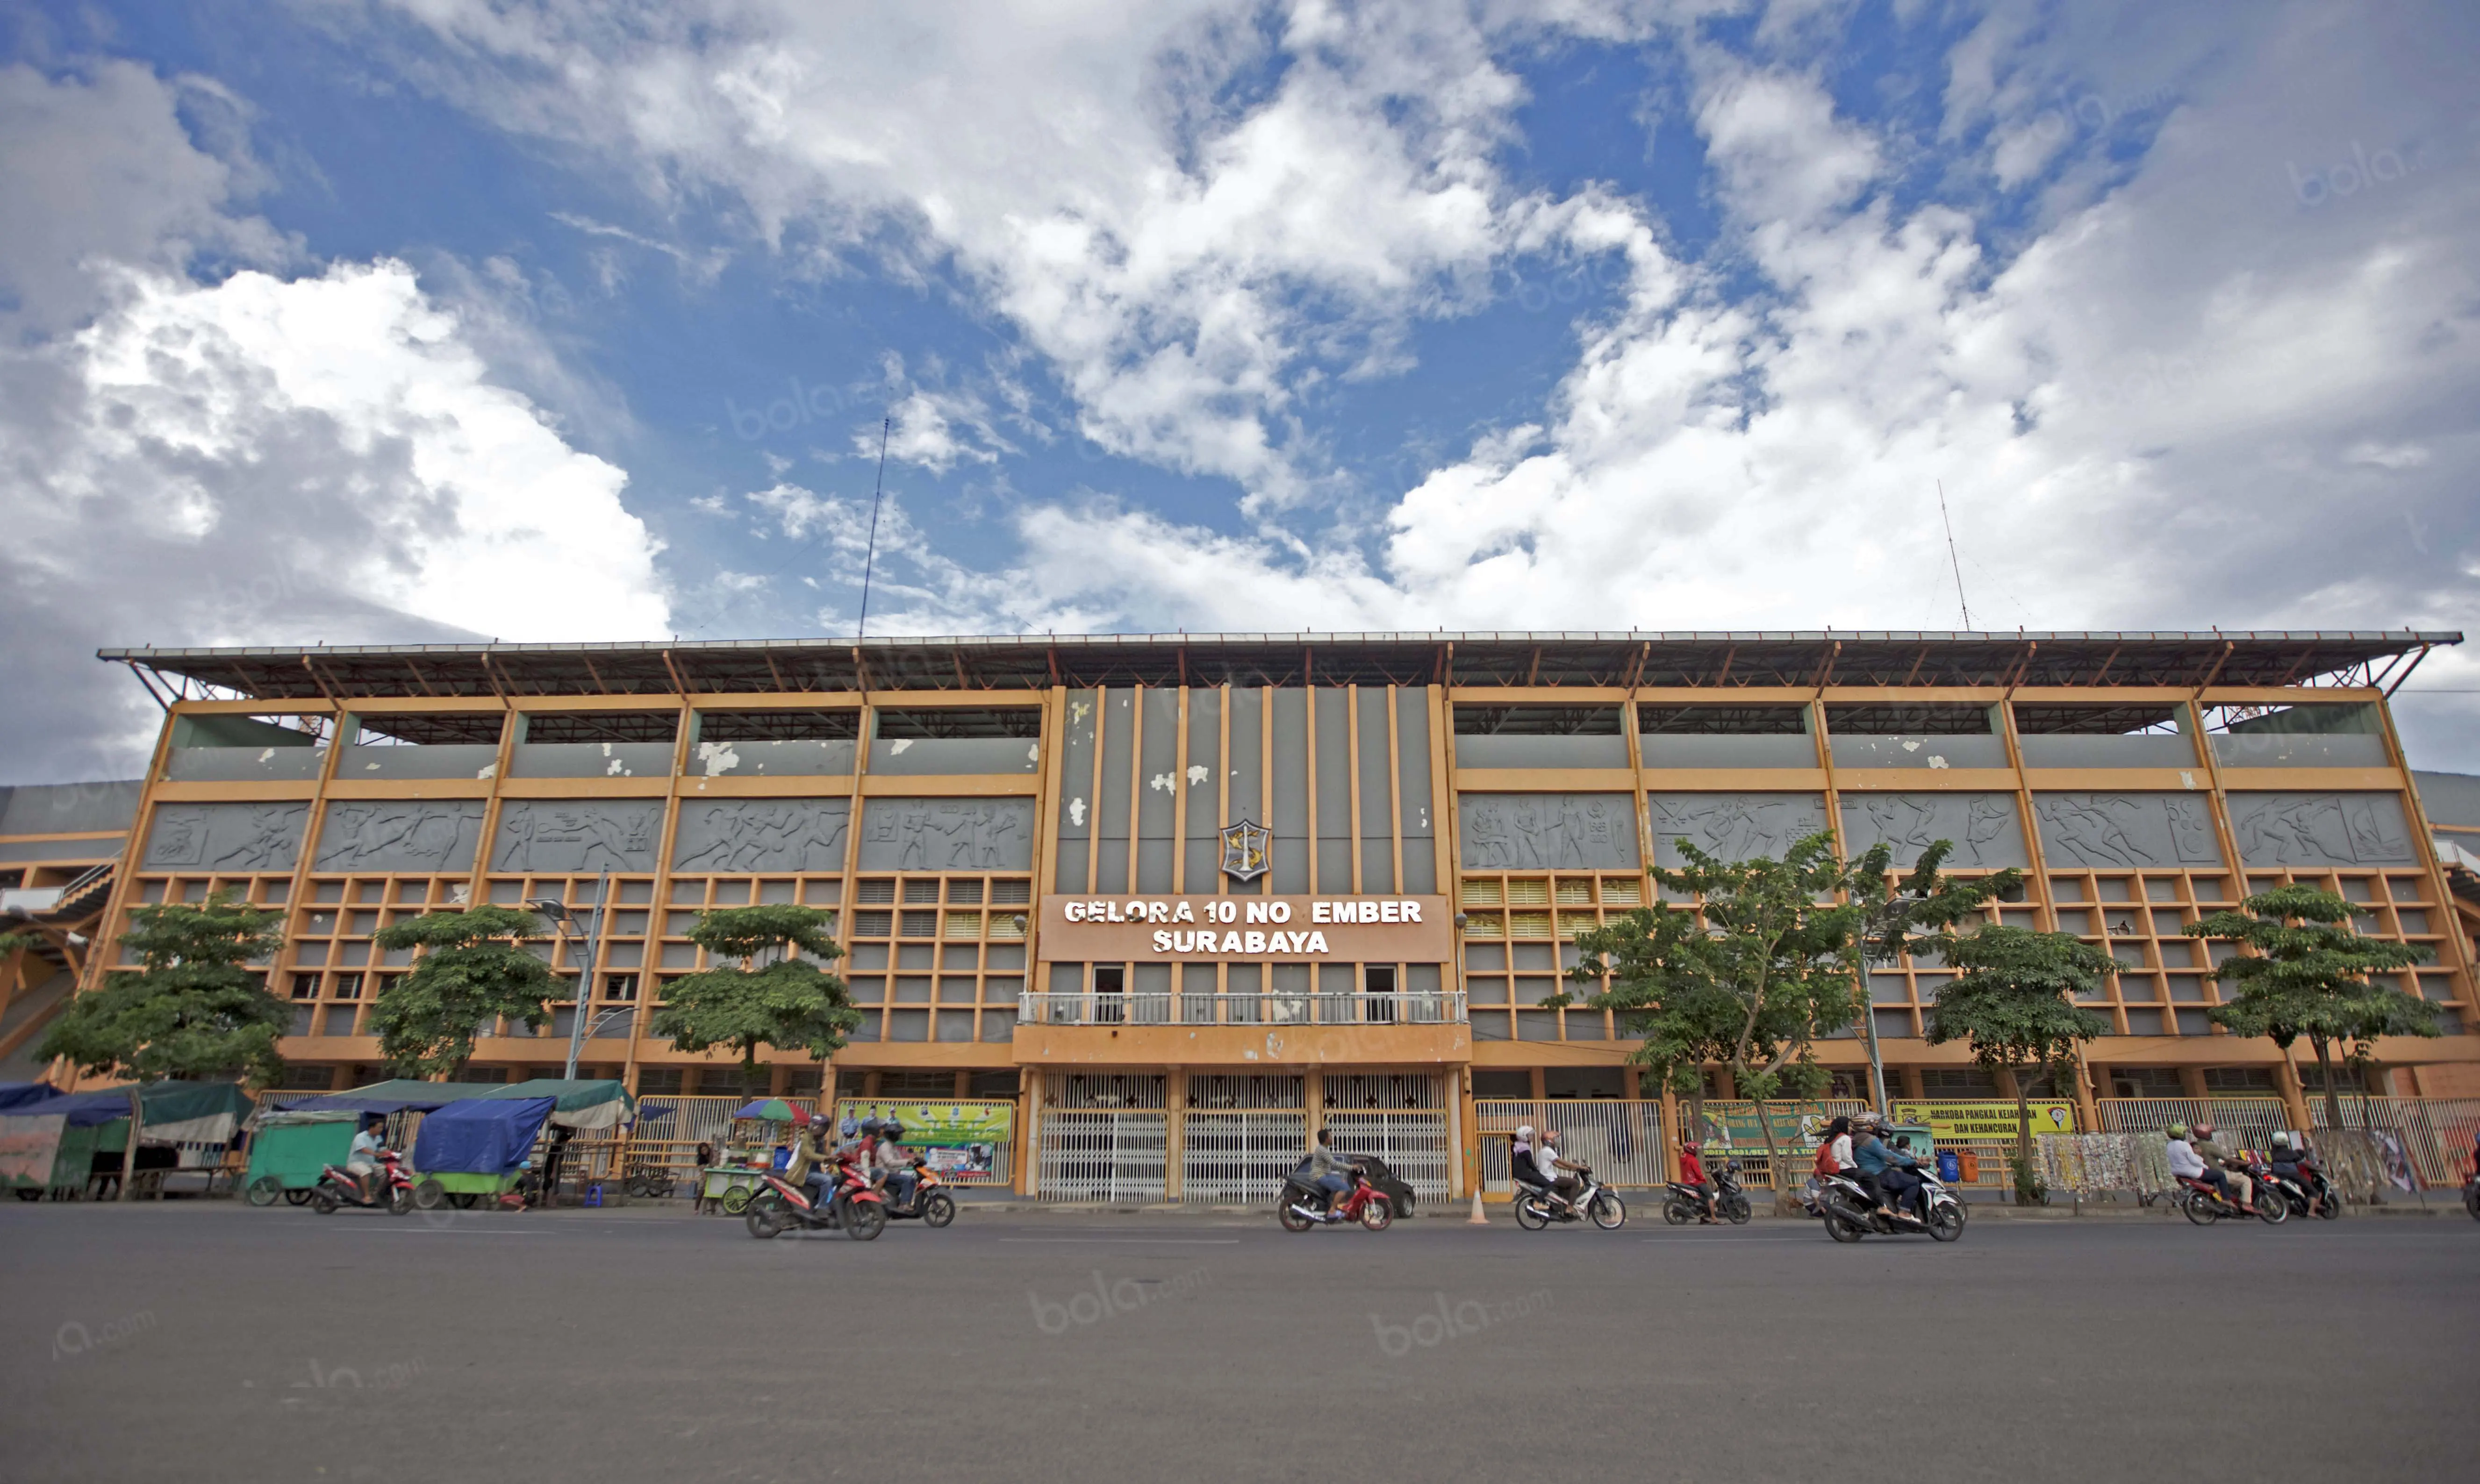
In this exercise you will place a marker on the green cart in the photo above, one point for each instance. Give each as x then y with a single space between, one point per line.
466 1189
291 1149
48 1160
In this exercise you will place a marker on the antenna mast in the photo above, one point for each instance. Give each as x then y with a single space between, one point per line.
861 630
1953 560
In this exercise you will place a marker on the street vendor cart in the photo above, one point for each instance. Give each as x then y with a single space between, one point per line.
474 1149
290 1150
760 1140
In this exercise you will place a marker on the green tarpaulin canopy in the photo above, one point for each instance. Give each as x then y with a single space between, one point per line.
577 1103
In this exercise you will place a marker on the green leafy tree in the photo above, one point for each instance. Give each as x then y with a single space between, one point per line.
1898 914
1759 972
474 968
192 1009
2013 1003
2307 975
773 996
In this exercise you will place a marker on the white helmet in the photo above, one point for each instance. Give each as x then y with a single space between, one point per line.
1525 1131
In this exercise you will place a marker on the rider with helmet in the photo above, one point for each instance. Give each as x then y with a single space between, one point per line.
895 1163
1885 1171
809 1162
1692 1177
2185 1163
2225 1162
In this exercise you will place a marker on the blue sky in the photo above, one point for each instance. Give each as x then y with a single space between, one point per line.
553 320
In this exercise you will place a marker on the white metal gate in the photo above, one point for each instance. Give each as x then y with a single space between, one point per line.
1413 1146
1239 1158
1620 1139
1104 1137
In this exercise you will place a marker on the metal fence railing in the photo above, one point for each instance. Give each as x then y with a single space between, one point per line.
1445 1006
1413 1143
2424 1140
1238 1157
2244 1122
1620 1137
1096 1155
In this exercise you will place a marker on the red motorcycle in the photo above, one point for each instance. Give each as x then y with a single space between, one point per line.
853 1206
390 1187
1302 1204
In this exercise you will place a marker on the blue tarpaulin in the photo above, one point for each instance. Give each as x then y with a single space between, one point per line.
481 1135
14 1094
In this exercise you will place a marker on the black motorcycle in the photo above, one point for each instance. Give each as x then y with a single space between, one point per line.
1851 1213
2305 1192
1730 1202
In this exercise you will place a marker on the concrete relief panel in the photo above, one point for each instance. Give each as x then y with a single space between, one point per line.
1548 832
2316 830
1733 826
2126 830
226 836
947 835
578 834
1984 826
389 835
761 834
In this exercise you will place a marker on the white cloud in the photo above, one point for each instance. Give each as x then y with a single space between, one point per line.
267 459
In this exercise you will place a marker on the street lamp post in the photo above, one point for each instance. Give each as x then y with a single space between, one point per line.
566 921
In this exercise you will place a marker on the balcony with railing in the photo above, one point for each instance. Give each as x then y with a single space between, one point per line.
1111 1009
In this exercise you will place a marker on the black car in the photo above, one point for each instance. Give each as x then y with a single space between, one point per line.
1386 1182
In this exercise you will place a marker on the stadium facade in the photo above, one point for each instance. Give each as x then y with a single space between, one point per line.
1155 887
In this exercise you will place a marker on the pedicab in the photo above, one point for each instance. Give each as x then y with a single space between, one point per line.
476 1149
289 1150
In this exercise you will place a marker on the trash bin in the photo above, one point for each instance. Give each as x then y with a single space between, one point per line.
1970 1166
1949 1167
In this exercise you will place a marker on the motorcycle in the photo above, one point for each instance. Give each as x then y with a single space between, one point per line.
1730 1202
1535 1207
2204 1204
1849 1213
931 1205
1302 1204
853 1206
2304 1191
390 1187
649 1181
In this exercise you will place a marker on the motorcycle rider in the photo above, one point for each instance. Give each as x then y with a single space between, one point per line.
895 1164
1691 1176
1881 1168
2287 1163
1330 1172
1564 1187
362 1162
2226 1160
2185 1163
809 1164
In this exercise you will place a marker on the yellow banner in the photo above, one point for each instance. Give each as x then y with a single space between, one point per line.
1984 1121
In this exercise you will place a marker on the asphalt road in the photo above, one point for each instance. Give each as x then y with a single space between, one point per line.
209 1343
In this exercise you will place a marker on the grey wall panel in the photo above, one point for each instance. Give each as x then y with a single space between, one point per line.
590 759
63 851
1247 764
578 834
1111 865
2066 749
1733 826
69 809
1288 785
1413 760
1521 751
1159 799
1376 793
226 836
1072 858
1378 864
1112 803
1334 763
1154 865
1548 832
1200 774
242 764
374 835
761 834
2320 830
934 757
946 834
1984 826
1077 768
2108 830
1661 750
1930 751
1334 864
818 757
2277 749
450 760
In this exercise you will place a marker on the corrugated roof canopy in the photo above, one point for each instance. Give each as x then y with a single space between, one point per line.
1025 662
